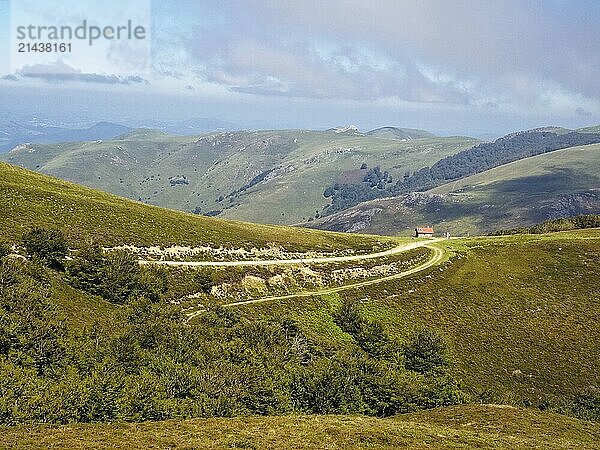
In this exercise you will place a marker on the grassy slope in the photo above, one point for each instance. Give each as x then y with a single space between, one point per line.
477 426
526 303
29 198
140 165
521 193
79 309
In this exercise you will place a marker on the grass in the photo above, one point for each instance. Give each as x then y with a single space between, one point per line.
474 426
79 309
28 198
521 314
139 167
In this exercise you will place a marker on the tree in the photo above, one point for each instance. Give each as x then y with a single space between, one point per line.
425 352
120 276
49 246
85 270
348 317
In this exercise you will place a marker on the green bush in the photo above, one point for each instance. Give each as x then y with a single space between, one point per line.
31 335
120 276
425 352
85 270
565 224
49 246
586 405
115 276
348 317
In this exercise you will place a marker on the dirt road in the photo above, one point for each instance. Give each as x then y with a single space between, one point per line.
278 262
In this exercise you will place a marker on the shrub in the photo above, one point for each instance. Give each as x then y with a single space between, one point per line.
115 276
373 339
348 318
120 276
425 352
85 270
49 246
586 404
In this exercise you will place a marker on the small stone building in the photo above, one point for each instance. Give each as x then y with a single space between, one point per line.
424 232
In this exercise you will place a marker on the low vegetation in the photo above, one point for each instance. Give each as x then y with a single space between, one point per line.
147 363
466 426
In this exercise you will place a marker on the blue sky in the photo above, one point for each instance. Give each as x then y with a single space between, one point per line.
468 67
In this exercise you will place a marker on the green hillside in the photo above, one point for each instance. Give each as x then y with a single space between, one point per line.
511 320
481 426
511 307
558 184
259 176
29 199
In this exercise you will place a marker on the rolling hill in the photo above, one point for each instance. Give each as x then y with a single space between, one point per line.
259 176
517 317
562 183
32 199
399 133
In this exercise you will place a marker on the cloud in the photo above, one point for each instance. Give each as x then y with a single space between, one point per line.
10 77
303 70
583 112
61 72
509 53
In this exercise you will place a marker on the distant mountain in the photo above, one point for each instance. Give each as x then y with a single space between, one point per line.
13 133
400 133
348 129
595 129
562 183
260 176
35 131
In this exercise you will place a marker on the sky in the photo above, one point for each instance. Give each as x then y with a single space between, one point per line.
448 66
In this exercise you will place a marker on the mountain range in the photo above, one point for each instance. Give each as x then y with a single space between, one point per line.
386 180
261 176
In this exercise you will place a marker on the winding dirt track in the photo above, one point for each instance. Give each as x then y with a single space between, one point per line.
281 262
437 256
